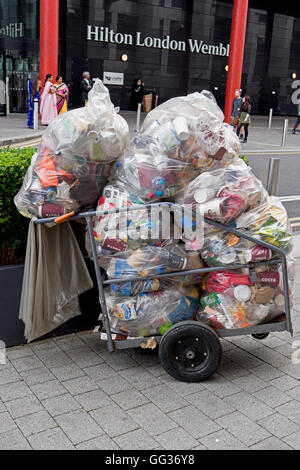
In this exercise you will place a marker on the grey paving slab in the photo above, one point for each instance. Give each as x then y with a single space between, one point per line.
293 440
79 426
23 406
250 383
14 390
291 410
2 407
69 342
210 404
249 405
37 376
8 375
267 372
272 443
194 421
278 425
50 389
114 421
19 352
55 358
271 356
272 396
52 439
284 383
175 439
35 423
71 371
292 370
26 363
152 419
13 440
80 385
182 388
114 384
129 399
166 399
44 346
101 371
60 404
222 440
99 443
6 422
140 378
136 440
93 400
295 393
118 360
243 428
245 359
231 370
85 357
220 386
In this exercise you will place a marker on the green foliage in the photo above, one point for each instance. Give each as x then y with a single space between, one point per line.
245 159
13 226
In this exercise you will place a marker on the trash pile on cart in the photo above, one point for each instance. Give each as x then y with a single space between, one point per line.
184 155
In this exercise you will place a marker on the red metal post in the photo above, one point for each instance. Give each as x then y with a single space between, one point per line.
236 54
49 21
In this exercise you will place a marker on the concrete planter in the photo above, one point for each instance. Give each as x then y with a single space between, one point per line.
12 329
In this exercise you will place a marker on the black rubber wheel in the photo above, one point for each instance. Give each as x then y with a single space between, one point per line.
260 335
190 351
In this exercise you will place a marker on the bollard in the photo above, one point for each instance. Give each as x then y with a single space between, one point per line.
270 117
7 95
273 176
35 113
284 132
138 117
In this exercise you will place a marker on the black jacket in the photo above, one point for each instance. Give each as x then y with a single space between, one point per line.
85 89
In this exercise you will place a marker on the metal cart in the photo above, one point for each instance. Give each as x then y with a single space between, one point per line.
190 350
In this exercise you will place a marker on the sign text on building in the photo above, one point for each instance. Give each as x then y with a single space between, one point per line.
104 34
14 30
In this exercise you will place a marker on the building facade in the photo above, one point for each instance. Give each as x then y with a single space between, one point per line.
174 46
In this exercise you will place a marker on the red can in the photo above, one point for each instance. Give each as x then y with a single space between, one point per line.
51 210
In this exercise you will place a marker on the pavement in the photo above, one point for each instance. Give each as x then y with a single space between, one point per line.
71 393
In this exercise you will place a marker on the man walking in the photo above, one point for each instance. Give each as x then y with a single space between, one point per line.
86 85
236 108
298 119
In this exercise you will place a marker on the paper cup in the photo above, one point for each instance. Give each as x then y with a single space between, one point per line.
203 195
212 208
181 128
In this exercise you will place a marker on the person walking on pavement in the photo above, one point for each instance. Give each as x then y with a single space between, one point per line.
236 108
137 93
244 119
86 85
48 101
298 119
62 93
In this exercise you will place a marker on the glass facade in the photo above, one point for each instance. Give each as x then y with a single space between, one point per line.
174 46
98 32
19 48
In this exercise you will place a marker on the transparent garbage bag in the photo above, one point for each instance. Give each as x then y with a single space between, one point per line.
74 159
241 299
178 140
151 313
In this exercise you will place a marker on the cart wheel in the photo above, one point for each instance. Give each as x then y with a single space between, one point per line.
260 335
190 351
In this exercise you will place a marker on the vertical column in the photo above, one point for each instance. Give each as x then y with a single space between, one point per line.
49 22
236 55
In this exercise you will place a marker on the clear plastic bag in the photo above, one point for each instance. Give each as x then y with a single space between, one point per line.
74 160
242 299
152 313
179 139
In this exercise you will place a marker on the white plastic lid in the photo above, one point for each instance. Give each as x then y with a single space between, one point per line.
201 196
242 293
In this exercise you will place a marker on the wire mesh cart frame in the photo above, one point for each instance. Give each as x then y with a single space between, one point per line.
201 360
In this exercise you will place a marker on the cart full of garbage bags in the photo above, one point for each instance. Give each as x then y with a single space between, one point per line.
187 156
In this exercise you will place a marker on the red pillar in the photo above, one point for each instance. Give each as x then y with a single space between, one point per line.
49 21
236 55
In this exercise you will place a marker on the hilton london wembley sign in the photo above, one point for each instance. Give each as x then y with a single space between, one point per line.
107 35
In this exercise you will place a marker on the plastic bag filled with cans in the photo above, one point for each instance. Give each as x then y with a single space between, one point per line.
180 139
244 298
151 313
74 159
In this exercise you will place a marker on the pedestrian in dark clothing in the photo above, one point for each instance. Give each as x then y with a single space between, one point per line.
137 93
244 119
86 86
236 108
298 119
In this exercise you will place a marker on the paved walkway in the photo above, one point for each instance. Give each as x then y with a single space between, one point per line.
69 392
261 139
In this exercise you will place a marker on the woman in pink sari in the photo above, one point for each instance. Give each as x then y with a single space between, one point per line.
48 101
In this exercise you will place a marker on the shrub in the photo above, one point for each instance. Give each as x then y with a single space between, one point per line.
13 226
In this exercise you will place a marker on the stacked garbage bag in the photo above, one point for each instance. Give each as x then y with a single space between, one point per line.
186 157
72 165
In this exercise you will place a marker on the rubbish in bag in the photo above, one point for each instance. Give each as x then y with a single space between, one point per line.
152 313
242 299
179 139
74 160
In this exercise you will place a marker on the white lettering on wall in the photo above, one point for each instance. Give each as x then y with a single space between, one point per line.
104 34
